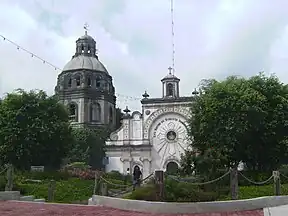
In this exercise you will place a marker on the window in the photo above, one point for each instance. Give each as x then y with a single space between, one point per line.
89 50
98 82
82 48
69 83
105 85
170 91
73 112
110 115
78 81
95 112
89 83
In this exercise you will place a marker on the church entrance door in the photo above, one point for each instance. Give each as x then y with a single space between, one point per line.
172 167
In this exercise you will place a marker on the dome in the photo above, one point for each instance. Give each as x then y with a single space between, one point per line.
86 37
85 62
170 77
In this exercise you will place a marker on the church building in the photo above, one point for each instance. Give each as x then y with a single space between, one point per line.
86 88
151 139
154 138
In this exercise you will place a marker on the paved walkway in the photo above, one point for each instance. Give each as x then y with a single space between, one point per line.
276 211
12 208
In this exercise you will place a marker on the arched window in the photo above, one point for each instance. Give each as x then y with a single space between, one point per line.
105 85
172 167
170 91
95 112
89 49
82 48
73 112
78 80
89 83
110 115
98 82
69 83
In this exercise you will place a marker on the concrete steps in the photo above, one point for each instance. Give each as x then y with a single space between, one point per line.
15 195
31 199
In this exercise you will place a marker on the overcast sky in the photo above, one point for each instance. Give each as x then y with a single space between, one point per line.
213 39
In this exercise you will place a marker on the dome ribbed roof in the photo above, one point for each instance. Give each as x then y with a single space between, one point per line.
85 62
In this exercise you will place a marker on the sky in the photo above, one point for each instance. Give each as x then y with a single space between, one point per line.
213 39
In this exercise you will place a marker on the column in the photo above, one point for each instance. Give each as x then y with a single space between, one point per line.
126 131
146 166
126 164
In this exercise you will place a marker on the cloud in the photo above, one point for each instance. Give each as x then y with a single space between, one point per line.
213 39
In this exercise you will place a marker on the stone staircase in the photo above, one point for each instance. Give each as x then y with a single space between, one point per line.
15 195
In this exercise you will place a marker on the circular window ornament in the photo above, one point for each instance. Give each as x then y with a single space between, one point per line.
171 135
147 112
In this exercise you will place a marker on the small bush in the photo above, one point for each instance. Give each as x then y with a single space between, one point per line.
81 165
254 176
2 183
185 192
174 192
143 193
66 191
114 175
47 175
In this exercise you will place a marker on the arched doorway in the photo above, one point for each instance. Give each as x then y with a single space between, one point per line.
135 168
172 167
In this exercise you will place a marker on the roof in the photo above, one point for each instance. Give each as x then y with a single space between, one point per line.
85 62
170 77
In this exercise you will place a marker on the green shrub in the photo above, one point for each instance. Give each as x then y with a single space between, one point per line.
185 192
81 165
67 191
2 182
174 192
143 193
254 176
46 175
114 175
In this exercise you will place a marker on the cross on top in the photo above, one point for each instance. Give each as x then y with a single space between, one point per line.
170 70
86 26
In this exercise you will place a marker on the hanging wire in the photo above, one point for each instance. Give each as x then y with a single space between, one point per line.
33 55
172 36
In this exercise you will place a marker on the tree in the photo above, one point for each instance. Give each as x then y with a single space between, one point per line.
34 130
241 120
88 146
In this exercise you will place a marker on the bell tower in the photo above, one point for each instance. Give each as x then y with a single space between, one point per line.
170 85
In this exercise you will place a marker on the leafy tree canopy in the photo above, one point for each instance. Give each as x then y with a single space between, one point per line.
88 146
240 119
34 130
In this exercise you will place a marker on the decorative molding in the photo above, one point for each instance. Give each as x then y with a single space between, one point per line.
179 110
171 159
114 137
166 100
127 148
126 129
147 112
142 159
123 159
137 163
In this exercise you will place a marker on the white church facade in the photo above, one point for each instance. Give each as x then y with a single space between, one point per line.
155 138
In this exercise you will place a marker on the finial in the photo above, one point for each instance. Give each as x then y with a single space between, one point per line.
195 92
126 110
86 26
170 70
145 95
